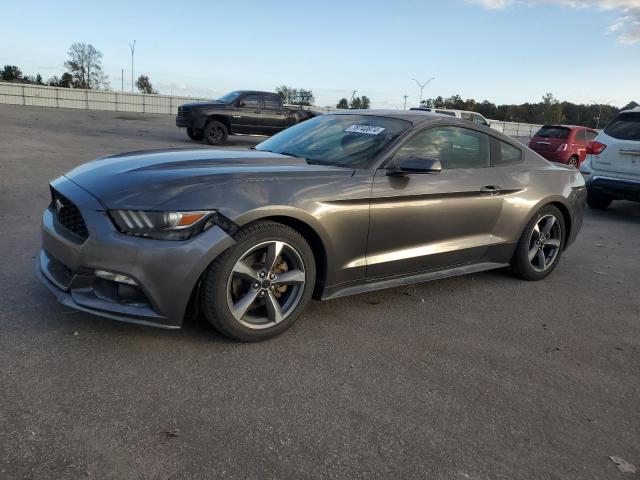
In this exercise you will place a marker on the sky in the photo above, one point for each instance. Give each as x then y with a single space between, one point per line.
505 51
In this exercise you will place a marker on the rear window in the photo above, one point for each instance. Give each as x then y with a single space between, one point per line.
553 132
626 126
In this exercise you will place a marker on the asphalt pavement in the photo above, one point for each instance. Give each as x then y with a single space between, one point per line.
476 377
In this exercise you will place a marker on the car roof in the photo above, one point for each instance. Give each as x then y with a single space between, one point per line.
572 127
413 116
255 92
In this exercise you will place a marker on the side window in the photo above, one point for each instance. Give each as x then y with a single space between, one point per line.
271 101
466 116
591 135
444 112
580 136
478 119
455 147
250 101
508 155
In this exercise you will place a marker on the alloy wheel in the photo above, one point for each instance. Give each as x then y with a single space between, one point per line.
266 285
544 244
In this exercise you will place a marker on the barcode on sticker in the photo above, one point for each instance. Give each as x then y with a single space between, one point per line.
365 129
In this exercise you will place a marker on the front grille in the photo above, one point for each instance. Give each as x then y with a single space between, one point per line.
68 215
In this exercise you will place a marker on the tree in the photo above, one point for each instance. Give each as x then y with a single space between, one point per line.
295 96
630 105
65 81
85 66
11 73
144 85
355 103
343 103
39 79
365 103
551 109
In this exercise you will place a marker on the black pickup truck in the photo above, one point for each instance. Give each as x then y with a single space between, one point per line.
240 112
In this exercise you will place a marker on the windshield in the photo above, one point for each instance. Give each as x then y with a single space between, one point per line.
553 132
626 126
229 97
350 141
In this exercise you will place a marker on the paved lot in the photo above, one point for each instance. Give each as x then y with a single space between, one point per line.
478 377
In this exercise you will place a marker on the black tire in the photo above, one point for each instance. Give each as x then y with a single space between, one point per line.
598 201
215 133
573 162
195 135
521 264
218 281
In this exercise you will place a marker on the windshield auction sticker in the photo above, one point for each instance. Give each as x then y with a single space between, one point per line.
364 129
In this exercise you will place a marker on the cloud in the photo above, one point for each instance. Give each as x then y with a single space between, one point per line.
626 27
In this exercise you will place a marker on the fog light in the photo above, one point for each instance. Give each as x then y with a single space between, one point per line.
115 277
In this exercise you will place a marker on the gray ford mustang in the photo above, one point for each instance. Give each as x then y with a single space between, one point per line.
341 204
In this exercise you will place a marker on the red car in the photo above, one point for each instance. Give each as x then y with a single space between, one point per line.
562 143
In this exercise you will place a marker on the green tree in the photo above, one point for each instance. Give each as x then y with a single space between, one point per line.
365 103
39 79
85 66
355 103
295 96
11 73
343 103
551 109
144 85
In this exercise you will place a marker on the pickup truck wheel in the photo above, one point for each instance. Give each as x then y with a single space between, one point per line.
215 133
194 134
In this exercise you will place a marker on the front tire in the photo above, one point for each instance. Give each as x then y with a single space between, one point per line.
259 287
598 201
538 251
195 135
215 133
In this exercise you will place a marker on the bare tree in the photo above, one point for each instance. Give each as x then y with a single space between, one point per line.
85 66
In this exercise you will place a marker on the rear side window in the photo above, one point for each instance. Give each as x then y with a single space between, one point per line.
553 132
626 126
508 154
444 112
271 101
591 135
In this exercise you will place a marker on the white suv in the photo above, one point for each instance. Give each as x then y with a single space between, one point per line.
612 167
464 114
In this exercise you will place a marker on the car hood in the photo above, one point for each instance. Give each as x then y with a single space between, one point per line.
190 179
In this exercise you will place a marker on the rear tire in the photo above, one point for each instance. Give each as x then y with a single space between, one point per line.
195 135
598 201
538 251
215 133
259 287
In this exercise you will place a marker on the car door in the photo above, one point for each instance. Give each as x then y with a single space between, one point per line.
424 221
274 118
247 114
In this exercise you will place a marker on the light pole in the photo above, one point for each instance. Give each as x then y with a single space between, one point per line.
600 110
405 101
132 46
422 85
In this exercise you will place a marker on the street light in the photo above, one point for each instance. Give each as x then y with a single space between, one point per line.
600 110
422 85
132 46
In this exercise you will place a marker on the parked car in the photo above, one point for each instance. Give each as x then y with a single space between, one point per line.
612 168
343 203
463 114
562 143
240 112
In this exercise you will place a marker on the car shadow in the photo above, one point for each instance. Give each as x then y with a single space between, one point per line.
619 212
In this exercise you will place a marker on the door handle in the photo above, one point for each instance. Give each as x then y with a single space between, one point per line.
491 189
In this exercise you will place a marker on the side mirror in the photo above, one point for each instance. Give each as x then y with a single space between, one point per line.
414 165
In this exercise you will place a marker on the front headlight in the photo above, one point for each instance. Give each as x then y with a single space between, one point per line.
161 225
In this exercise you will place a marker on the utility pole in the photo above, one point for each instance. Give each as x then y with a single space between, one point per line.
132 46
405 101
422 85
122 80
